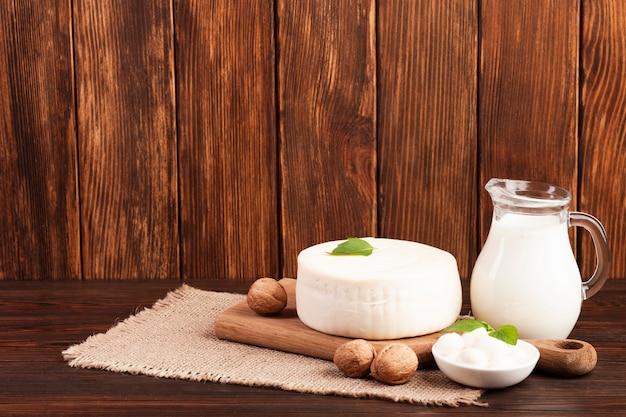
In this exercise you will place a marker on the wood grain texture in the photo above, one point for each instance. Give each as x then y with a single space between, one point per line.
228 140
127 138
603 132
198 139
528 98
427 124
327 99
39 230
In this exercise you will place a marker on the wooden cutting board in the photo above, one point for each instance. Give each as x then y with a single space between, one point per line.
287 333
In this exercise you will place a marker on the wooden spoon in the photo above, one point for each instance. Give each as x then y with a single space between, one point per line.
558 357
565 357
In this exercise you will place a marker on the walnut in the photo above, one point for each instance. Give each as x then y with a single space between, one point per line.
266 297
395 364
354 358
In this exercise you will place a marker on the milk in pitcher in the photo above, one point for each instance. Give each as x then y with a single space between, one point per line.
526 275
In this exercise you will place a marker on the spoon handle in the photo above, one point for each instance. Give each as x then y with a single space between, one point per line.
567 358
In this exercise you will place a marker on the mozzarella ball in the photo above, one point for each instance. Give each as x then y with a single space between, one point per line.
470 337
474 357
491 346
449 344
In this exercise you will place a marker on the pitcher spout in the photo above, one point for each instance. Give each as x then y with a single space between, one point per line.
528 197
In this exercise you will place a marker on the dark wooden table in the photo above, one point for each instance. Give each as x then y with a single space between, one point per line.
40 319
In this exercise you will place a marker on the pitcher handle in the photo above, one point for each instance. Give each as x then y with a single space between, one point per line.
603 253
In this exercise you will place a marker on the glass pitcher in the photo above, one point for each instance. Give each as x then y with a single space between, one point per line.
526 274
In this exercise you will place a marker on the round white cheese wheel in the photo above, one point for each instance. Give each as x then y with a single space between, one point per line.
403 289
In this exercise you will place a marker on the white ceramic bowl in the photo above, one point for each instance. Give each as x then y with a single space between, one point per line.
488 378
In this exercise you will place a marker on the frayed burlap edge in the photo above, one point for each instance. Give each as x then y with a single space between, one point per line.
175 339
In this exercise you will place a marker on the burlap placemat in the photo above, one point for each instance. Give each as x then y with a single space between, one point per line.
175 339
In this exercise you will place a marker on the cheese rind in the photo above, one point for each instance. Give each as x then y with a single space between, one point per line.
403 289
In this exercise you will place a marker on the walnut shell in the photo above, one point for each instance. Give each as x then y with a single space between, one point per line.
395 364
266 297
354 358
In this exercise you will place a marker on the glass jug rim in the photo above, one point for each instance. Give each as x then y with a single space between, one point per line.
528 195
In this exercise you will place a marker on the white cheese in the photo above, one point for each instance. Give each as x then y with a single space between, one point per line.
403 289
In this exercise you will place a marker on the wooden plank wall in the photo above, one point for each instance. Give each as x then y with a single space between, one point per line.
216 138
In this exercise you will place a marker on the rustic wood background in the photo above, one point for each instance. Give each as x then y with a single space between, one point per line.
193 139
